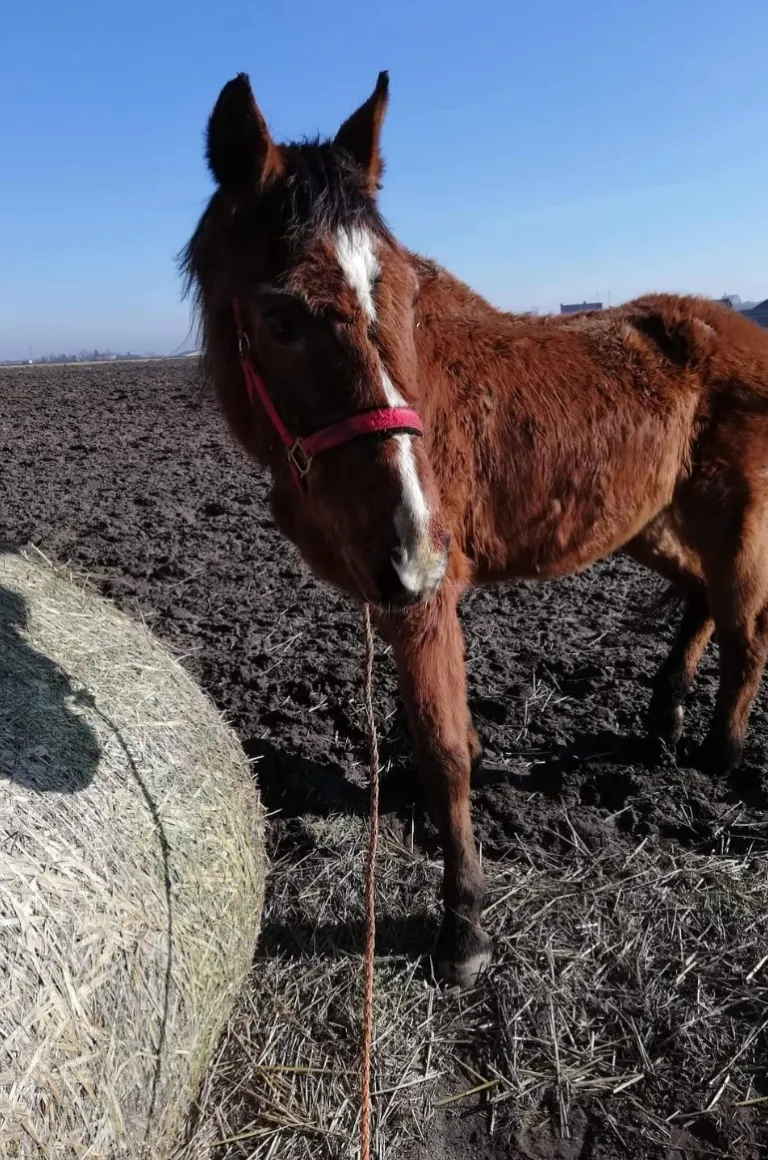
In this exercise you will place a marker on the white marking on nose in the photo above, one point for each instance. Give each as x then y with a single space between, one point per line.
417 563
356 254
414 513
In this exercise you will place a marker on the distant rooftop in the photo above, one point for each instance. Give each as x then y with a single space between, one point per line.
758 314
578 307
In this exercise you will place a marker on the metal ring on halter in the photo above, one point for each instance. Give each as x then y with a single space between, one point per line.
243 344
299 458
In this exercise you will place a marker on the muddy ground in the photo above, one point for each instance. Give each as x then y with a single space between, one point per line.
127 474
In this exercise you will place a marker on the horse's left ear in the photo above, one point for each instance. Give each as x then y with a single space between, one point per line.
239 149
359 135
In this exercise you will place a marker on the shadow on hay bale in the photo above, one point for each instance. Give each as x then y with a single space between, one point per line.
131 876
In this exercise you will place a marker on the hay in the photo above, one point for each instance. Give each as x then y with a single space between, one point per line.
131 876
634 984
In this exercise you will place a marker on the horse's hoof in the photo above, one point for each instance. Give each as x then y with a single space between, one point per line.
719 756
463 969
665 722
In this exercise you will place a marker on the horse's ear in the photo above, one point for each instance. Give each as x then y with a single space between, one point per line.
239 149
359 135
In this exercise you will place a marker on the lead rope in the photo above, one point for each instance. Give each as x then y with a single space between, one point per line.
370 904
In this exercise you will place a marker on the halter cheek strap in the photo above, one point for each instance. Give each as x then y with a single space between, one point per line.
302 450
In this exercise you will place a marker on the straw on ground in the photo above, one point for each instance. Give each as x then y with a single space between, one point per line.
621 980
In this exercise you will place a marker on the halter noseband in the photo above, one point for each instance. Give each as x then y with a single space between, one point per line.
301 451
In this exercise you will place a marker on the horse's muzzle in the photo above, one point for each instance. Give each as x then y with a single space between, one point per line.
408 578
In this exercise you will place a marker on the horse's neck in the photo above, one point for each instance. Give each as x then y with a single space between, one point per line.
448 313
442 294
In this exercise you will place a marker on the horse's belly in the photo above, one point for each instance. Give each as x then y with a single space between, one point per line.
565 528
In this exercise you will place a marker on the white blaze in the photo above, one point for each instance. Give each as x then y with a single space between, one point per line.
414 513
356 254
419 566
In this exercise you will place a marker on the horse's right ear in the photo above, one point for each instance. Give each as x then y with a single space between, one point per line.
239 149
360 133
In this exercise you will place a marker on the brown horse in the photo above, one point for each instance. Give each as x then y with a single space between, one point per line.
434 442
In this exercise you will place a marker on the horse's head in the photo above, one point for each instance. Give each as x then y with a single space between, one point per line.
292 242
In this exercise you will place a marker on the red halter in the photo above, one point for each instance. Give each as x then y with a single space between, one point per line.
301 451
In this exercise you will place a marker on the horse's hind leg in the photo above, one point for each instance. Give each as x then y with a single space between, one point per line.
429 650
734 549
675 677
659 548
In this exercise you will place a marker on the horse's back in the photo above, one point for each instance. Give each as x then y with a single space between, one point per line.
594 422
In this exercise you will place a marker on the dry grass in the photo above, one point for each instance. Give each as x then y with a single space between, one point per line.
637 981
131 876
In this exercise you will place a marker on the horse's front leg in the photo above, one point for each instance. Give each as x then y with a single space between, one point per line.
429 650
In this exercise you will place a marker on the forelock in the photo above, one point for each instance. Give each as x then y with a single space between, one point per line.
321 191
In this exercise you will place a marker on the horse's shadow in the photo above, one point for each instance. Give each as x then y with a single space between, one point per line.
45 745
294 786
395 936
548 774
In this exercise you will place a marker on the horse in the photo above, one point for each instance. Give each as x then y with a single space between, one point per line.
420 441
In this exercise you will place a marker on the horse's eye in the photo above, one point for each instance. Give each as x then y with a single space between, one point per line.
280 325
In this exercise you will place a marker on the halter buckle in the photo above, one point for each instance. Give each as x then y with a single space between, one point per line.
299 458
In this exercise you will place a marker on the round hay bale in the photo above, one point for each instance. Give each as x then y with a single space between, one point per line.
131 875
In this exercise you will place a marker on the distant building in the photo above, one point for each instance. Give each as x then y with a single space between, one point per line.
758 314
579 307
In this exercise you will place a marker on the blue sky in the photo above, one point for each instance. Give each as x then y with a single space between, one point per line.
545 152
